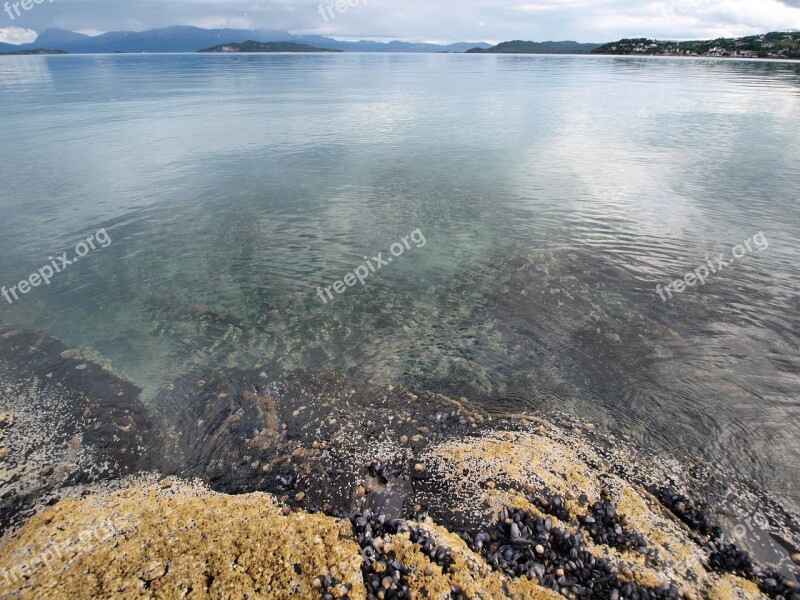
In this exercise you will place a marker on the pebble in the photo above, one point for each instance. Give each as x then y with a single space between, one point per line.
796 558
3 453
71 354
80 367
419 468
404 439
300 497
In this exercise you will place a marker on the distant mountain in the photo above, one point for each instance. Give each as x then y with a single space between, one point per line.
778 44
55 38
521 47
251 46
370 46
192 39
32 52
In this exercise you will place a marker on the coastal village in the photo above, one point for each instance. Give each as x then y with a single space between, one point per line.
782 44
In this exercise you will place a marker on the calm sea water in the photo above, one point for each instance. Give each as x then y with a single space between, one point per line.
554 194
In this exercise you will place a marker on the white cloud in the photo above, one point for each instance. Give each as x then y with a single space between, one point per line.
16 35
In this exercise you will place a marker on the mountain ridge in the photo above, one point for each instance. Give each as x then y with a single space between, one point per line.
181 38
184 38
523 47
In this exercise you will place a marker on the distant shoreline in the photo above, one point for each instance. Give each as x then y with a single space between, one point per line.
181 39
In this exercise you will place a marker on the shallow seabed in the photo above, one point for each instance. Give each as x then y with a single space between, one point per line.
554 195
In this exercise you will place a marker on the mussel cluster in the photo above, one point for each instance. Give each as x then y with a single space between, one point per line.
522 544
384 576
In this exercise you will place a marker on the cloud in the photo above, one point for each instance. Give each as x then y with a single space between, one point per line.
446 20
17 35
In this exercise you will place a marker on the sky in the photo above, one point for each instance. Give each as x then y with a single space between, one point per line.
419 20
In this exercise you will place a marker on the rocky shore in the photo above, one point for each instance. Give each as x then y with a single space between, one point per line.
308 484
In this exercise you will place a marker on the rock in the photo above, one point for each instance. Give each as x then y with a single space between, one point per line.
419 468
300 497
80 367
3 453
386 582
71 354
47 470
796 558
153 571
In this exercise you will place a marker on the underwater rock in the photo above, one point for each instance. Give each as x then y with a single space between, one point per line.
370 490
61 427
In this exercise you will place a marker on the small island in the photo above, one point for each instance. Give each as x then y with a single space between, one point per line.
36 52
251 46
523 47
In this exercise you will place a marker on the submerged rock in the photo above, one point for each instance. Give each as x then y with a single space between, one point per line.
371 491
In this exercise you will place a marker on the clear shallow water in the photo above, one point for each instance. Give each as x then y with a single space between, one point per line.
554 194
